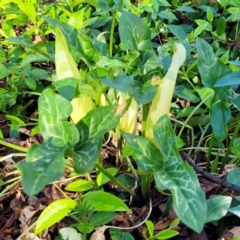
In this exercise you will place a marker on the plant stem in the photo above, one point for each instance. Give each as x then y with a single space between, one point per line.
144 119
209 152
225 159
112 33
115 180
13 146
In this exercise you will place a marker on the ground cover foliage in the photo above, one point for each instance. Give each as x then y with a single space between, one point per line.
120 119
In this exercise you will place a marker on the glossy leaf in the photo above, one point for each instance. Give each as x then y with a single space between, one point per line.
150 227
80 185
182 92
110 5
120 83
229 80
217 207
53 113
29 9
235 210
102 179
233 176
103 201
101 218
177 31
44 164
210 68
86 156
67 87
53 213
179 178
146 155
220 115
134 32
98 121
166 234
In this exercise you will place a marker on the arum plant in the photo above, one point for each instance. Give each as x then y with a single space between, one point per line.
66 70
165 89
128 121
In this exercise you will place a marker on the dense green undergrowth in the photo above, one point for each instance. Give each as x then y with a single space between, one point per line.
155 77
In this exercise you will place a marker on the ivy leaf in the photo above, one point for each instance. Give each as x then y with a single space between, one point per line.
45 163
179 178
134 32
146 155
97 122
86 156
53 113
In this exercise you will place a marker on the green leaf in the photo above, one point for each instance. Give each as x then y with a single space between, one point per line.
109 63
111 5
185 9
86 155
70 33
80 185
31 83
141 92
210 68
206 93
67 87
233 176
235 149
166 234
179 178
118 235
167 14
134 32
217 207
150 227
235 210
120 83
69 233
44 164
103 201
229 80
101 218
3 71
102 179
182 92
220 115
221 26
146 155
185 112
29 9
127 180
177 31
53 213
53 113
223 3
97 122
22 40
39 73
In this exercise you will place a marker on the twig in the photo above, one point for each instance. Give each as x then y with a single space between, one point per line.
209 175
